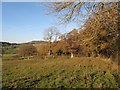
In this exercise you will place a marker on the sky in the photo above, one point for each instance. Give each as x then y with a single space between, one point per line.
27 21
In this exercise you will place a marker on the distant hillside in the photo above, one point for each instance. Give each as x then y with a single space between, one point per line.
7 43
37 42
32 42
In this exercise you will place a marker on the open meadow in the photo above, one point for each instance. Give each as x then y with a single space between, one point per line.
60 73
60 44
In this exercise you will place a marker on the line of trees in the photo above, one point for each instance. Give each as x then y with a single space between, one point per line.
99 35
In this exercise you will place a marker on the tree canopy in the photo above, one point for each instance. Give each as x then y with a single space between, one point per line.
99 36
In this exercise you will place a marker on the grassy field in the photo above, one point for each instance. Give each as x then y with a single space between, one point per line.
60 73
9 57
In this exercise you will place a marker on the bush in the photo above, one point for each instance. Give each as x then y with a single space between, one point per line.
43 50
27 50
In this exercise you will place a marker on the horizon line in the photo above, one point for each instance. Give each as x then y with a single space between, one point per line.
20 42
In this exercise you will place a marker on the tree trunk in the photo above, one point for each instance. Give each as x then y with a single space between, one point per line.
72 55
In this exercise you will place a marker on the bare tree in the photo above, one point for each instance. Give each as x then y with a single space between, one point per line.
51 35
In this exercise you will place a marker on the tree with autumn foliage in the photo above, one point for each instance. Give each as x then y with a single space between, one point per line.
100 30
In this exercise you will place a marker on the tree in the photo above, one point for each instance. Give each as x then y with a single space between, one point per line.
100 32
51 34
27 50
43 50
72 11
60 47
100 26
71 40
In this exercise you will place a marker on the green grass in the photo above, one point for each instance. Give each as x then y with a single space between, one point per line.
9 57
58 73
14 57
10 49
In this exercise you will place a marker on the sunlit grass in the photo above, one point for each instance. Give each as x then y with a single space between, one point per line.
66 73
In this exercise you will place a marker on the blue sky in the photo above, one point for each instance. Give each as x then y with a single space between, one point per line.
23 22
